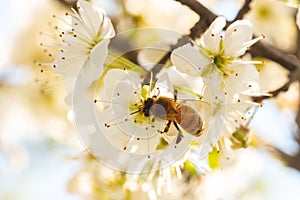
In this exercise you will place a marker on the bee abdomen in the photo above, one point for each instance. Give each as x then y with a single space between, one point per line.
190 120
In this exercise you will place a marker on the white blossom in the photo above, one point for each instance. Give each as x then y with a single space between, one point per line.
82 47
229 77
221 53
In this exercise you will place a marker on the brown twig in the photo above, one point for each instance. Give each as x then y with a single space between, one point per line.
68 3
204 22
287 61
295 76
244 10
291 161
198 8
157 68
240 15
297 52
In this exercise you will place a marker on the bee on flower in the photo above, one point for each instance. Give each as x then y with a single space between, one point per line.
219 58
148 121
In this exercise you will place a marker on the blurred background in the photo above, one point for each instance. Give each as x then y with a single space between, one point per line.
41 156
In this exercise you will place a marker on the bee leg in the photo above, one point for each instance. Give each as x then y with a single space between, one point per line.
175 94
179 135
166 129
153 119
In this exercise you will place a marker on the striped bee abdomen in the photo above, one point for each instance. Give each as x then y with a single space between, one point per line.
190 120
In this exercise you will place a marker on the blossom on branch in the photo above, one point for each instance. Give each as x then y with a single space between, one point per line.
221 53
82 45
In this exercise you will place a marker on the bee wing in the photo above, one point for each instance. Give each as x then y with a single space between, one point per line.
196 103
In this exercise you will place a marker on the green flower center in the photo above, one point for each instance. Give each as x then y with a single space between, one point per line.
221 62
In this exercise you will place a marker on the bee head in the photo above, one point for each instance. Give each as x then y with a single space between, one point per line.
147 105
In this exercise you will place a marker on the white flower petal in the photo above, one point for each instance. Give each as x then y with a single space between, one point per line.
94 18
211 38
241 78
272 76
189 60
94 65
108 31
80 28
237 34
164 84
244 72
148 57
83 70
185 82
111 79
215 126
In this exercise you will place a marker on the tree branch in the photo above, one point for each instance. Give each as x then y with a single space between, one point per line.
287 61
295 76
297 52
291 161
207 17
198 8
68 3
244 10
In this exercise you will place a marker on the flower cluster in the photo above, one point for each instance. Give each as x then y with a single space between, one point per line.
175 118
82 38
220 54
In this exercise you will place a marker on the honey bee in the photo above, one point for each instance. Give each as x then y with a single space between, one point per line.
175 113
